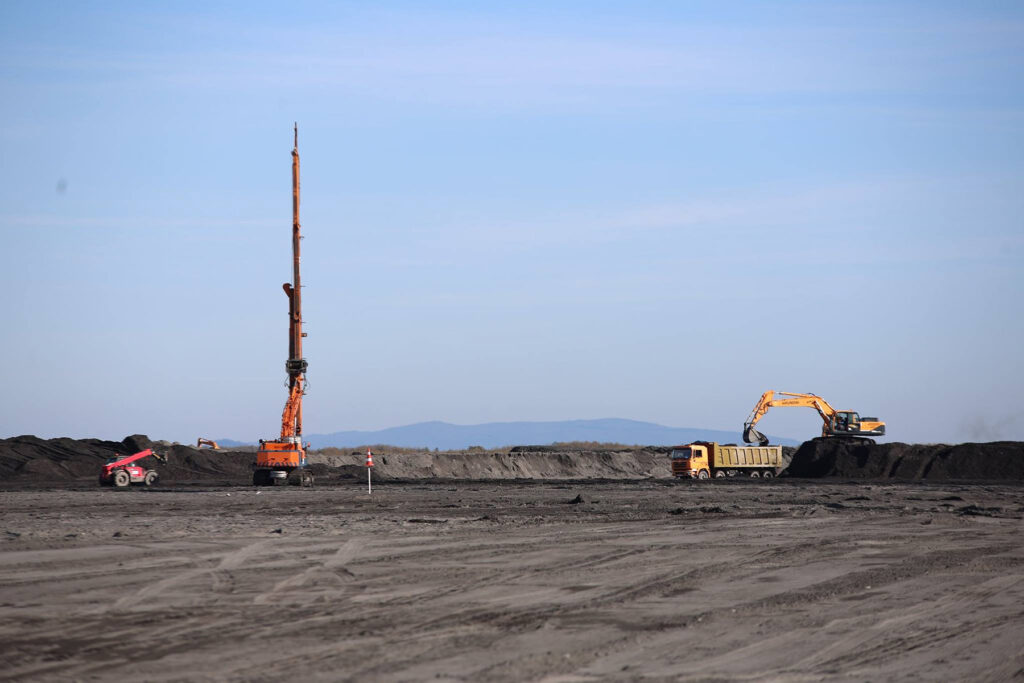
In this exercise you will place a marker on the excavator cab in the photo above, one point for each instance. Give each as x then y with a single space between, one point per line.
846 421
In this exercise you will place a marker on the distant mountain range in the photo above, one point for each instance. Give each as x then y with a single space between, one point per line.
445 436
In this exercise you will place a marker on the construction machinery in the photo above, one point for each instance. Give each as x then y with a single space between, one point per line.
706 459
120 471
835 422
200 442
284 459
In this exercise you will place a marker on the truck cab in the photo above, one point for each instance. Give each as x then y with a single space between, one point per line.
690 461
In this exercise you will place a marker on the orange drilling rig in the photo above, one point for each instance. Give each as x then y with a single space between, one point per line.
284 459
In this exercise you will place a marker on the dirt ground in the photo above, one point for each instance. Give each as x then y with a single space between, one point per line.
655 580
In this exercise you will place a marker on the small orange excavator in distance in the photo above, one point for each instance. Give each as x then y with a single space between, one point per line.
120 471
836 422
284 459
200 442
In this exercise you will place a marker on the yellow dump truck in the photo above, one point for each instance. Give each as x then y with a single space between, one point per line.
706 459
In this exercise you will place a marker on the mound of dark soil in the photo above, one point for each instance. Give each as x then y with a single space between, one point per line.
31 460
28 460
833 457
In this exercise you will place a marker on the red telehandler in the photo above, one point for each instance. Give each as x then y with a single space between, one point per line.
120 472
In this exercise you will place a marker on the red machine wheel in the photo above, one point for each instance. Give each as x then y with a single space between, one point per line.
121 479
151 477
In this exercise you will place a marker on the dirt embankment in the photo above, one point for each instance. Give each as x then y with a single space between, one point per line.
28 460
834 457
542 463
34 461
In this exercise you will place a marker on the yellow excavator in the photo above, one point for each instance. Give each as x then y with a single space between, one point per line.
836 422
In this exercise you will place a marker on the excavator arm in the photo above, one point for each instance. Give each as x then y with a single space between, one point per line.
769 400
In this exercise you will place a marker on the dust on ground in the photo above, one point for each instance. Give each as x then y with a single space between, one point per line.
466 581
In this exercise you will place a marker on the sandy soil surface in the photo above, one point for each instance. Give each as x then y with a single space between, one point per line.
789 580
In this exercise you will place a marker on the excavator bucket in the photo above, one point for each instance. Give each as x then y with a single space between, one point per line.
750 435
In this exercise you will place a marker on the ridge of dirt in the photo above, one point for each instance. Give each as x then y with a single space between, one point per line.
832 457
30 460
624 464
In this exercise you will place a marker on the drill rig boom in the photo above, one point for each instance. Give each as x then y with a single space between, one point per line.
285 457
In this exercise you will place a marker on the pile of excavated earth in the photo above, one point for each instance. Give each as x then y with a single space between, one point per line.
854 458
31 460
28 460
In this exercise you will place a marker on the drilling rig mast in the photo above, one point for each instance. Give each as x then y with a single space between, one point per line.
284 459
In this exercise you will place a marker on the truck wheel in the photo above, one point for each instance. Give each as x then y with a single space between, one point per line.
151 477
767 474
121 479
703 474
754 474
720 474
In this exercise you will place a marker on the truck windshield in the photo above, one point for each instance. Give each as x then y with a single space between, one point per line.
680 454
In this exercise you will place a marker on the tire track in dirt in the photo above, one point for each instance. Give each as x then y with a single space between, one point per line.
231 560
332 569
492 621
492 553
507 621
932 622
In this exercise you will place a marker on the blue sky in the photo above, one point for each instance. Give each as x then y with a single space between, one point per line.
512 211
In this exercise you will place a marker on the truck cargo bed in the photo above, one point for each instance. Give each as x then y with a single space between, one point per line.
747 456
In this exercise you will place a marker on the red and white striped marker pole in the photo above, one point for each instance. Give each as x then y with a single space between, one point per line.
369 467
